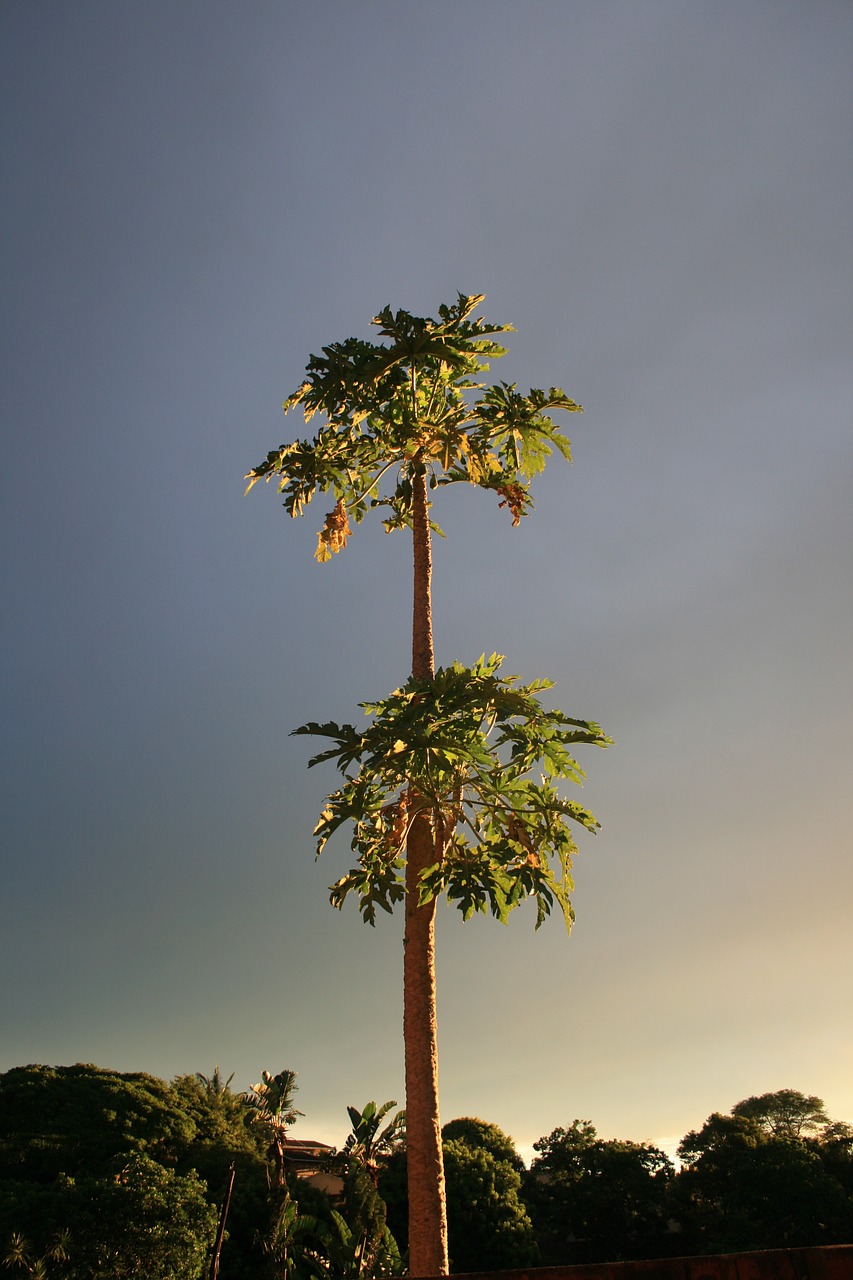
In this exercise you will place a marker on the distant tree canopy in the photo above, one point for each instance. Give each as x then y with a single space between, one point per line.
481 1134
74 1119
752 1180
107 1175
597 1200
488 1223
784 1114
115 1158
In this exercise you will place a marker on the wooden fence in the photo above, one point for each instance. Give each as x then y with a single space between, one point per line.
828 1262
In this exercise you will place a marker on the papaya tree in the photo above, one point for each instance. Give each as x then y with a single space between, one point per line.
441 787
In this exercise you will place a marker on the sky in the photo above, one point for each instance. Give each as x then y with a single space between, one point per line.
658 196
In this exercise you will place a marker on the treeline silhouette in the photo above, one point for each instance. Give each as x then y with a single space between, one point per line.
106 1174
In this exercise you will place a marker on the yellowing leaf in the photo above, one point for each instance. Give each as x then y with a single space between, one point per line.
333 537
322 554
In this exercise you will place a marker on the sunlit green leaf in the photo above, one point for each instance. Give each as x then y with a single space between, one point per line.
480 754
392 409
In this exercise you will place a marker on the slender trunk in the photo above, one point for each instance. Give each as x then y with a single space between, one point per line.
220 1230
280 1198
423 660
427 1213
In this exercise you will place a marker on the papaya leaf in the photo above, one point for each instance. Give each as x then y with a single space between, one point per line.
491 796
393 408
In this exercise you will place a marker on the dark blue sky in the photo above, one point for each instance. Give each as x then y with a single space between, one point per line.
659 198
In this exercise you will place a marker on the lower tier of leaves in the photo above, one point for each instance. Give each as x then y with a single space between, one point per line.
480 755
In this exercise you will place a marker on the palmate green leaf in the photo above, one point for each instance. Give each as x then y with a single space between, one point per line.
472 879
481 756
456 340
521 427
348 742
374 883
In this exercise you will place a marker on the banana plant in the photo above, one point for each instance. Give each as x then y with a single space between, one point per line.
368 1145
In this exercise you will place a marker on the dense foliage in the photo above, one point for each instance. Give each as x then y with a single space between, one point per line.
488 1223
105 1175
481 755
391 409
131 1167
749 1184
595 1200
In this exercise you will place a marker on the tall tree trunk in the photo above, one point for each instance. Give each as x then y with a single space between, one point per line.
223 1217
427 1213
